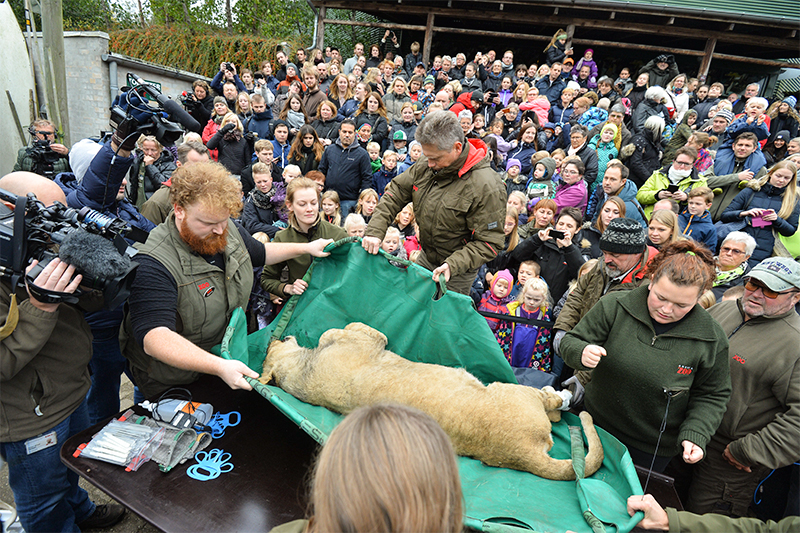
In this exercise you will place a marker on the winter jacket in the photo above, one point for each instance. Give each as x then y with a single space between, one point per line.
678 140
559 265
523 152
218 82
551 89
312 99
657 76
208 132
470 85
258 123
255 219
555 53
704 107
348 109
460 209
590 242
44 366
725 160
307 161
411 61
298 266
326 129
593 117
582 62
686 522
380 128
492 82
247 177
762 422
281 153
574 195
234 154
680 103
560 114
690 361
544 187
605 153
200 110
647 109
699 228
645 158
540 106
154 174
659 181
347 170
589 158
767 197
781 122
409 128
636 97
381 179
612 96
595 284
727 186
633 209
394 104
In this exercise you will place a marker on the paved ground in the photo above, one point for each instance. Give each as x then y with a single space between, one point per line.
131 523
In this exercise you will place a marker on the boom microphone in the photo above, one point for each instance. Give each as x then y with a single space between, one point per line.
92 255
178 114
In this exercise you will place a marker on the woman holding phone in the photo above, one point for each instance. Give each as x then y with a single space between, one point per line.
770 206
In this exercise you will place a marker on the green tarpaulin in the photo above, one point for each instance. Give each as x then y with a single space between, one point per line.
353 286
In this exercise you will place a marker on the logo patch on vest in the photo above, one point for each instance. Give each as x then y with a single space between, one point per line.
685 370
206 289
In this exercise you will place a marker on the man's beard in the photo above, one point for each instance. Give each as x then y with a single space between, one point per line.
612 272
210 245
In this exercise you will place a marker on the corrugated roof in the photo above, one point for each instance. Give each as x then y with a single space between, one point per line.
759 9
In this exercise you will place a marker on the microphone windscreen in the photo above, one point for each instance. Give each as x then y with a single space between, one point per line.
176 112
92 255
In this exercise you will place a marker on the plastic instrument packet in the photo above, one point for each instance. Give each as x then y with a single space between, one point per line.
123 444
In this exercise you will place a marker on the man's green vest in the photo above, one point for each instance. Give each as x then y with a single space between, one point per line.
207 296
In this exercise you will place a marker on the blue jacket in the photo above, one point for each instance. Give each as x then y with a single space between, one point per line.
217 83
726 161
769 197
633 209
347 170
523 152
560 115
700 228
551 90
258 123
348 109
382 178
281 152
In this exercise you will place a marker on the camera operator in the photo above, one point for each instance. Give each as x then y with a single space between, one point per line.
43 156
199 103
45 377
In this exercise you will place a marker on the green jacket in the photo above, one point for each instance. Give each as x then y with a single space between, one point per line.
44 372
207 296
460 210
271 275
627 394
592 286
26 162
658 181
762 422
686 522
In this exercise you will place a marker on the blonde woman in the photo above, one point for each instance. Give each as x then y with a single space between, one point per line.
663 228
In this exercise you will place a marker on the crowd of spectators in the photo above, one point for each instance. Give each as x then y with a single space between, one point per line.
629 202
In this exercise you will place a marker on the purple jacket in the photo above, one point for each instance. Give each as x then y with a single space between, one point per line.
571 195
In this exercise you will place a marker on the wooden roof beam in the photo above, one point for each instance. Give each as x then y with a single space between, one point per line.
722 36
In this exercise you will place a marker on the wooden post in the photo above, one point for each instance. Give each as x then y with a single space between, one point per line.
321 12
426 50
570 33
53 36
705 64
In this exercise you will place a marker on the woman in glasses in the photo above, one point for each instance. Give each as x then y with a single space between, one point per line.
672 181
770 207
731 262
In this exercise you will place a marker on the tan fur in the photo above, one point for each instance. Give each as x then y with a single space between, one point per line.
500 424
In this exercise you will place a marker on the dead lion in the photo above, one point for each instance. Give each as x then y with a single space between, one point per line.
501 425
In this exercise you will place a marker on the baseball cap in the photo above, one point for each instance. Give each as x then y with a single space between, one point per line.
420 64
399 135
778 273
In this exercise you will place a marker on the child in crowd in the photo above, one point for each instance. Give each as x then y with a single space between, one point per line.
392 244
414 153
426 95
317 177
518 202
529 345
587 61
354 225
701 140
364 136
404 221
695 221
331 207
291 172
527 270
386 173
367 202
400 142
606 144
549 130
513 179
479 125
411 243
541 185
496 132
374 151
495 299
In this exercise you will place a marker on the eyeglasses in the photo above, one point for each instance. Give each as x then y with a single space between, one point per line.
46 133
570 172
682 164
752 286
732 251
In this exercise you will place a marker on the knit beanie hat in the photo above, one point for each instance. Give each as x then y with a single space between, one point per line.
428 79
513 163
726 114
783 134
503 274
791 100
610 126
623 236
297 72
220 100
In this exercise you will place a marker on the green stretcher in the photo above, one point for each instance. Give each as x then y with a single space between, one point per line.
399 299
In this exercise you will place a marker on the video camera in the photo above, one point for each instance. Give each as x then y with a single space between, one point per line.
87 239
131 115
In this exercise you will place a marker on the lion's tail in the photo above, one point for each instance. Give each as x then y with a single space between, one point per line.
561 469
594 458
